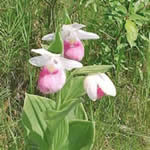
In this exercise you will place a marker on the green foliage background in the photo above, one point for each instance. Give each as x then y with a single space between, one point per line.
122 123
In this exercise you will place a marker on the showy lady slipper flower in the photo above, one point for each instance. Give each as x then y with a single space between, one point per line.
99 85
52 75
71 35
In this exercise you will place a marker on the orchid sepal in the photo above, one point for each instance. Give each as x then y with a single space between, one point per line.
47 56
75 29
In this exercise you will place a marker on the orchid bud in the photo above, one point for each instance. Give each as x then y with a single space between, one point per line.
99 85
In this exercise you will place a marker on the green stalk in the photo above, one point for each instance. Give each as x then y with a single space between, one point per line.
58 102
91 111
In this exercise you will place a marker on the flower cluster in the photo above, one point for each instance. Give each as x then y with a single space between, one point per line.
52 76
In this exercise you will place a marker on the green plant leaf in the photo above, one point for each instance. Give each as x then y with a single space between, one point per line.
57 122
77 113
61 135
81 135
92 69
131 8
54 117
132 32
138 6
57 44
122 9
137 17
73 88
33 121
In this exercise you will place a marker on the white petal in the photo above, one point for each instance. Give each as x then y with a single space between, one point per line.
67 27
39 61
90 86
106 84
74 26
77 25
48 37
43 51
83 35
69 64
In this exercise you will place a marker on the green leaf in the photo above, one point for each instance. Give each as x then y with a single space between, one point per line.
121 8
132 32
46 128
33 121
61 135
73 88
54 117
77 113
140 18
138 6
57 44
131 8
92 69
81 135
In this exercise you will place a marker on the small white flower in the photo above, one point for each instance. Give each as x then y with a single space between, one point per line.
47 58
73 32
99 85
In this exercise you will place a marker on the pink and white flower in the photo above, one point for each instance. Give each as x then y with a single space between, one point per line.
52 75
71 35
74 51
51 79
98 85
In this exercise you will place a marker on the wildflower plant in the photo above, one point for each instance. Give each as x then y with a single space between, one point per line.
61 123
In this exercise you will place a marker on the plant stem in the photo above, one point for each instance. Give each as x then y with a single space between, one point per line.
91 110
58 102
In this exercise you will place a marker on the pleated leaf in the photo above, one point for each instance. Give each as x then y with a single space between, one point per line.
77 113
73 88
33 120
92 69
54 117
81 135
61 135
